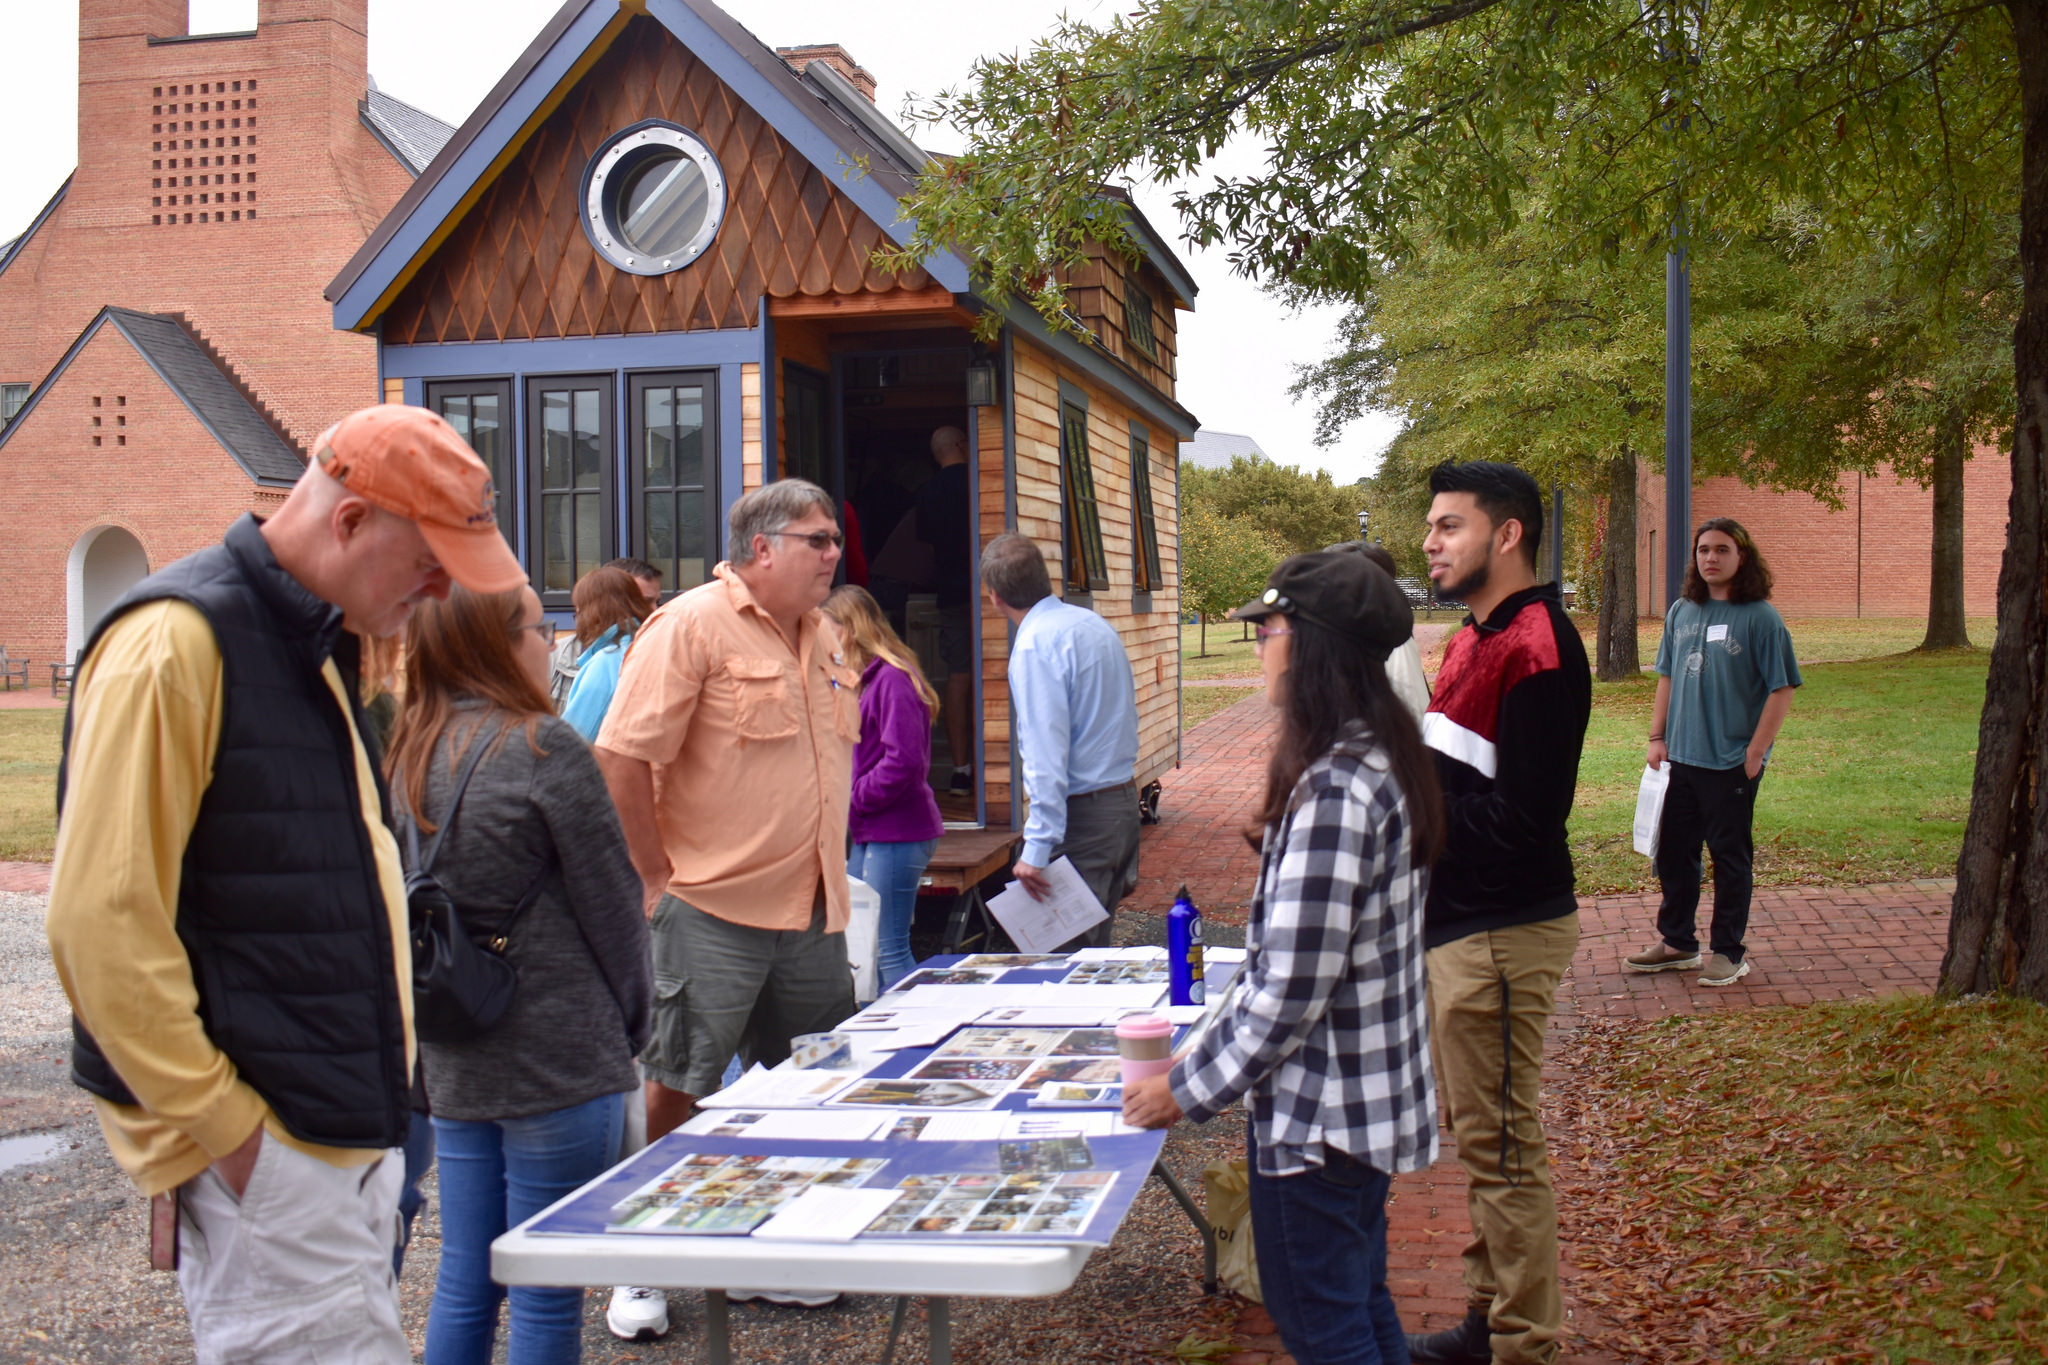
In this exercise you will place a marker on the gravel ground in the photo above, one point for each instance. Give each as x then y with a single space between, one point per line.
75 1284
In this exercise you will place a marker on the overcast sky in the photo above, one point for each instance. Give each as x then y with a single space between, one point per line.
1238 348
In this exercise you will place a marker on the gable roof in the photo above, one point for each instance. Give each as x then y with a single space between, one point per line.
9 250
1215 449
191 373
411 134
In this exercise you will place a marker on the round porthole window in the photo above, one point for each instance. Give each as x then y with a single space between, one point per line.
653 198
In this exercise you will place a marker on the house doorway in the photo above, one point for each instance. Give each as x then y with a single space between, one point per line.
105 562
900 413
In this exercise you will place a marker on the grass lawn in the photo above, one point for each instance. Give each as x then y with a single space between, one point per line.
1870 780
1840 1182
30 742
1819 639
1197 704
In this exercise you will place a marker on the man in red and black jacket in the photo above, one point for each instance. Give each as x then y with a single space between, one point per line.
1501 924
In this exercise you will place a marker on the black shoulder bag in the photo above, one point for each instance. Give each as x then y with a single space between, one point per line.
460 987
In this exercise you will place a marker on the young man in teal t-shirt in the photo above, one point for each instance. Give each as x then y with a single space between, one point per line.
1725 675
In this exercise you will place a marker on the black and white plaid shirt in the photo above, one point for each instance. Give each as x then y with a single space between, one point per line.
1327 1028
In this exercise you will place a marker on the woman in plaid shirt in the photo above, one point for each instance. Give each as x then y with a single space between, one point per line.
1326 1032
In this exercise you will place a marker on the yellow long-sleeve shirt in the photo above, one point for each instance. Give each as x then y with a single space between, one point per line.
145 728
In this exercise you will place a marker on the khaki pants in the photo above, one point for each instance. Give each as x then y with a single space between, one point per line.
298 1270
1490 1001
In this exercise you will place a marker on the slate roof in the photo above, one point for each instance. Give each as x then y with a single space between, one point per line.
192 373
1215 449
413 135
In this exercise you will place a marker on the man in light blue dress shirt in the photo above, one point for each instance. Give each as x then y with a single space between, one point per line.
1073 731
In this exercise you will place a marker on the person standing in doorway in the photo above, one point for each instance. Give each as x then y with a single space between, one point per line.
227 906
1074 729
728 750
1507 723
894 821
943 508
1725 675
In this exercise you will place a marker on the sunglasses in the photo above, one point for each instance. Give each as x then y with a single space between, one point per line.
1263 632
817 540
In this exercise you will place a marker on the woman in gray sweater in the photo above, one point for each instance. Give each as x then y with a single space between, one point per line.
532 1108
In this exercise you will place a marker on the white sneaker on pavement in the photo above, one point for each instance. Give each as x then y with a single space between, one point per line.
637 1313
788 1298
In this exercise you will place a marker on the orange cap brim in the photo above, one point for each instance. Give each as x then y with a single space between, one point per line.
479 560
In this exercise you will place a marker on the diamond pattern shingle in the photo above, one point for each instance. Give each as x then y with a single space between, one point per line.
519 265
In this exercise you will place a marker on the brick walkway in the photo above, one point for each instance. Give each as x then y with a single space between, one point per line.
1805 944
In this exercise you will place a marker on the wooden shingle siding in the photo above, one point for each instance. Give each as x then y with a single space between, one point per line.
1152 638
750 427
1095 293
518 265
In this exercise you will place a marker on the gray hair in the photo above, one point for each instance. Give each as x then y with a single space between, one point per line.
769 509
1013 568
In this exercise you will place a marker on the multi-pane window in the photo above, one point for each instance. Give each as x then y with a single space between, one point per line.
570 480
481 413
1086 567
1138 319
1145 548
12 396
675 476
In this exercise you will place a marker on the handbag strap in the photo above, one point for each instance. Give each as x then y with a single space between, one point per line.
412 830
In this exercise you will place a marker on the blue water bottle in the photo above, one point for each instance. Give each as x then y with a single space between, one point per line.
1184 951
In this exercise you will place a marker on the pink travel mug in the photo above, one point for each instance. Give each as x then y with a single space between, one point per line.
1144 1044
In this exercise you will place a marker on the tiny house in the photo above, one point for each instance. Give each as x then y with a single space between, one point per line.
639 279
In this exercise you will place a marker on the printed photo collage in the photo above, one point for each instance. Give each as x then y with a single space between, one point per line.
985 968
976 1067
716 1193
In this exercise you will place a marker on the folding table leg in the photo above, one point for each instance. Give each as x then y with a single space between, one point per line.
941 1331
717 1330
1173 1187
895 1328
968 909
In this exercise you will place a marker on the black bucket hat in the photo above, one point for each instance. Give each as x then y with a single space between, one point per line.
1346 594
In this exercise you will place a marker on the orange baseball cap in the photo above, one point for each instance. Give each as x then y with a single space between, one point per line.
411 463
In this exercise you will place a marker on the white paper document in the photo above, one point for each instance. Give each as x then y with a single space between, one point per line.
1050 1016
1043 1123
982 1127
827 1213
1210 955
1136 953
1039 926
782 1088
978 1001
915 1035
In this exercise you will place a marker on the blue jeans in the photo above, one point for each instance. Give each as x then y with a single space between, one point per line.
894 870
493 1177
1321 1240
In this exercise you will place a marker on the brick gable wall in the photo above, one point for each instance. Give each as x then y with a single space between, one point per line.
272 118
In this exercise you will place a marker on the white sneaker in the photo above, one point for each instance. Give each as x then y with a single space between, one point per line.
788 1298
638 1313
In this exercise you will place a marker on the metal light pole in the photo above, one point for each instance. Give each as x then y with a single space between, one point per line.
1677 410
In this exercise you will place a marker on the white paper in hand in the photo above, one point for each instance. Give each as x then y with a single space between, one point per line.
1650 808
1039 926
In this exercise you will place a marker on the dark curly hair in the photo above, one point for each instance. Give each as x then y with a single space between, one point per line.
1752 581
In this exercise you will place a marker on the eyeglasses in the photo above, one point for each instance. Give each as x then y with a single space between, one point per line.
1262 633
817 540
543 628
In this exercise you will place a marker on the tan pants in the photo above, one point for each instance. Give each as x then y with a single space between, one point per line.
298 1270
1490 1001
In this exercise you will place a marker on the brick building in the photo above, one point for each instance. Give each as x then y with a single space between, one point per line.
168 356
1871 558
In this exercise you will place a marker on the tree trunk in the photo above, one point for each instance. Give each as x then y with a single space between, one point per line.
1202 634
1998 925
1616 655
1946 626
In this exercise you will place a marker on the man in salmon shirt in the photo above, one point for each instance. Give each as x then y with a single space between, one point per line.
729 753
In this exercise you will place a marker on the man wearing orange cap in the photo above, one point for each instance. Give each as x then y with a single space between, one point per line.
227 910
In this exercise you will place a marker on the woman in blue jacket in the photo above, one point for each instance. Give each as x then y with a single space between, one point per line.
609 608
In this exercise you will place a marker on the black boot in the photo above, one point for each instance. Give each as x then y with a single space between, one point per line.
1469 1343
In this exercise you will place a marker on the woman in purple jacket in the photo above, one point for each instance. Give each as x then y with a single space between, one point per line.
894 819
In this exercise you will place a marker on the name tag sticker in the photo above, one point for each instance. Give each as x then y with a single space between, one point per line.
1719 632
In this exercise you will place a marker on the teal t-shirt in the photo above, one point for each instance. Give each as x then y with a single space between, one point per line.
1724 659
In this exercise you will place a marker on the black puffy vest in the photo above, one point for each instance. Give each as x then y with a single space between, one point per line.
279 906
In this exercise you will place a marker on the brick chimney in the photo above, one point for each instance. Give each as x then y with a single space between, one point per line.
834 56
